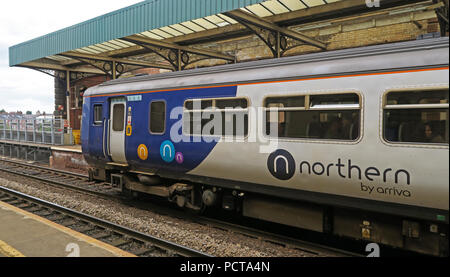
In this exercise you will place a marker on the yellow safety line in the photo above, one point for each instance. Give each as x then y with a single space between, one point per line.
75 234
9 251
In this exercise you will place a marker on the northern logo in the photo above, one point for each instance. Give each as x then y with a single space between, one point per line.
281 165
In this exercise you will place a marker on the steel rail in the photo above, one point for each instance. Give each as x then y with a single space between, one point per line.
160 243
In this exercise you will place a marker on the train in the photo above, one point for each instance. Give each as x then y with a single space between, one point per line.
352 143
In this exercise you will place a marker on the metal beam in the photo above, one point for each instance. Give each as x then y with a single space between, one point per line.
335 10
42 65
159 43
242 16
322 12
119 60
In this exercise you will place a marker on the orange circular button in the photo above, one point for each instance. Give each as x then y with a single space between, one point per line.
142 152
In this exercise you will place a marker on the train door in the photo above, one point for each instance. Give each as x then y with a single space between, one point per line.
117 130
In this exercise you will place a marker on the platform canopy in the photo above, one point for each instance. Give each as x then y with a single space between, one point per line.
172 29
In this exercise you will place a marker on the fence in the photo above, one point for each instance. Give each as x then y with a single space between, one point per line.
48 130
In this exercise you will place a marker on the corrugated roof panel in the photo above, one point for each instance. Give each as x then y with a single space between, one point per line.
195 27
294 4
259 10
161 33
172 31
138 18
313 3
182 29
204 23
275 7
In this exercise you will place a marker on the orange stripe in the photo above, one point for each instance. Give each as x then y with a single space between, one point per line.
283 81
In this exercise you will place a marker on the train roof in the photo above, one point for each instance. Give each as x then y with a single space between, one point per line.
349 61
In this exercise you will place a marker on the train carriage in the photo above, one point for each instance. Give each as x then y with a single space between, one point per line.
350 142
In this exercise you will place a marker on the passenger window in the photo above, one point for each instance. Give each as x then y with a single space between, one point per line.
417 116
98 114
158 117
118 117
327 117
232 113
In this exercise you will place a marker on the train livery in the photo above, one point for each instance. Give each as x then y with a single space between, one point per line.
353 142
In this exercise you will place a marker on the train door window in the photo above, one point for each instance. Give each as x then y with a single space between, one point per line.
158 117
98 114
118 117
233 113
419 116
328 117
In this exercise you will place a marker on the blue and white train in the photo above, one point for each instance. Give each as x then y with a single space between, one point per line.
352 142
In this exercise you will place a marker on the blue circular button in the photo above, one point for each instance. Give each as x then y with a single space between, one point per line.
167 151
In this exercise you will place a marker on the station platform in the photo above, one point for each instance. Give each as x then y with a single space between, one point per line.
66 148
23 234
64 157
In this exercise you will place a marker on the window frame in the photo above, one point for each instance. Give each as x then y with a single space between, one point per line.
308 107
383 120
214 109
124 117
150 117
94 122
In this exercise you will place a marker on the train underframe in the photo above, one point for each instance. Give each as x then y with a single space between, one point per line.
429 238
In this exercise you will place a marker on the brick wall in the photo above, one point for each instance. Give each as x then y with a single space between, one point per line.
338 35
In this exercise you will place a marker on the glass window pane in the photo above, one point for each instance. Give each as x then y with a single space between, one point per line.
233 123
118 117
417 126
285 102
332 125
418 97
334 99
98 114
232 103
157 117
189 105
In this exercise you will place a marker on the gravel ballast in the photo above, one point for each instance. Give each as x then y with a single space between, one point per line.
193 235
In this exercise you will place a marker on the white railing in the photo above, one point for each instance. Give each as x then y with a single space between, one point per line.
48 130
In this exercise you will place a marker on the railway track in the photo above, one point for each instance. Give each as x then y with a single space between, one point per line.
79 182
60 178
137 243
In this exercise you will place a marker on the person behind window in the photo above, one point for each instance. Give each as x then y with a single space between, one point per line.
334 130
431 136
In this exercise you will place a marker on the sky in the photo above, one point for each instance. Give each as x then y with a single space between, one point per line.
23 89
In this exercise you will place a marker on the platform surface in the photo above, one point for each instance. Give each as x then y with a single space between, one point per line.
23 234
66 148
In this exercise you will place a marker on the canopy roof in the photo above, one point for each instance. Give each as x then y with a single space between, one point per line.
152 25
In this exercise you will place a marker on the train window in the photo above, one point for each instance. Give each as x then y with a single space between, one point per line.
417 116
98 114
198 104
157 117
200 117
286 102
232 103
328 117
118 117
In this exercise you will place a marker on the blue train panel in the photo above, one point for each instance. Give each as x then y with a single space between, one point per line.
142 148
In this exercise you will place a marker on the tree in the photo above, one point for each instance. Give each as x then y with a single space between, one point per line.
29 112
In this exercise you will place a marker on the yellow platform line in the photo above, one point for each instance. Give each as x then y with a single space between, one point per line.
75 234
9 251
